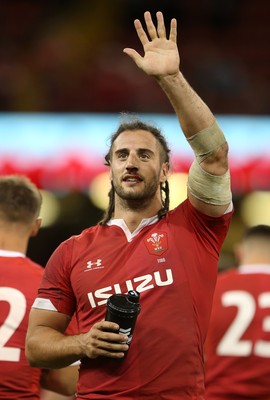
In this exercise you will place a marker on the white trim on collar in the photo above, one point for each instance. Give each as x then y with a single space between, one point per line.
130 236
254 269
9 253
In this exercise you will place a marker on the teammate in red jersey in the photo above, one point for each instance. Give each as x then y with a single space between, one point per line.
170 257
20 278
238 341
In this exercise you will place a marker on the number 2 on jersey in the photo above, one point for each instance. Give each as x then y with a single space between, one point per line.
17 309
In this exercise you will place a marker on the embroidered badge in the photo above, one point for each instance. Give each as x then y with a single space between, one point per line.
157 243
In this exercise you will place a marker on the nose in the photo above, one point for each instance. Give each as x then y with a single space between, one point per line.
132 161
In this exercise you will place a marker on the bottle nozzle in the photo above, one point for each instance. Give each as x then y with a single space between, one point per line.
133 296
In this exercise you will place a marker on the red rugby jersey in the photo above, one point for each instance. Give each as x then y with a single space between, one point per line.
173 264
19 281
237 347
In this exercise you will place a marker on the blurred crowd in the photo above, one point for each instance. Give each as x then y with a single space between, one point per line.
66 56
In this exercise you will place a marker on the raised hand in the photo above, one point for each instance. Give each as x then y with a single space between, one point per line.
161 57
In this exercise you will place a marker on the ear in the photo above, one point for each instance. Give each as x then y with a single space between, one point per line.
164 172
36 226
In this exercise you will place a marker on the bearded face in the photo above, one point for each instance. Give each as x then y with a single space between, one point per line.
136 169
137 188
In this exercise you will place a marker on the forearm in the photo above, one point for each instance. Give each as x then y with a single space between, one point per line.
193 114
48 348
209 180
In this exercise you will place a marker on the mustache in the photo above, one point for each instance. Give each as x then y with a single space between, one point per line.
129 175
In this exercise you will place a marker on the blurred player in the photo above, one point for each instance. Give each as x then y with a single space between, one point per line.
238 342
20 203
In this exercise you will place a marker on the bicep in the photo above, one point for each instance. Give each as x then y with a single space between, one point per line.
50 319
206 208
209 187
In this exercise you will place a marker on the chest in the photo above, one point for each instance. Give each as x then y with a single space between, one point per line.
154 259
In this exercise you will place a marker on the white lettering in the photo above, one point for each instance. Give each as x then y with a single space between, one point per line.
169 280
91 300
161 260
100 294
105 293
129 285
117 288
146 279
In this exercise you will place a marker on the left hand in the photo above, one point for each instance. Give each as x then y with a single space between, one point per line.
161 56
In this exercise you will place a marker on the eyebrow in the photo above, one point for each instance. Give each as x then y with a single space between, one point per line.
140 150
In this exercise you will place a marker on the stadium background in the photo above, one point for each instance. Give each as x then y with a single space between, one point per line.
64 58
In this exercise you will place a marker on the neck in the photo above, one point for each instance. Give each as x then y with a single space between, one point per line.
134 212
13 241
260 259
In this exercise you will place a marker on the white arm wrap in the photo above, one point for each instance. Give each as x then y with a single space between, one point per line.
211 189
206 141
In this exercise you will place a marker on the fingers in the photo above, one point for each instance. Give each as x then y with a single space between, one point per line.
140 32
154 32
132 54
102 341
150 25
107 349
173 31
160 25
111 345
106 329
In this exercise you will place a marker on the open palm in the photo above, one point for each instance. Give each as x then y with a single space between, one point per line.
161 56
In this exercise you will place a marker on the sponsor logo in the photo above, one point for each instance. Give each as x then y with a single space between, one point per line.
91 265
140 283
157 243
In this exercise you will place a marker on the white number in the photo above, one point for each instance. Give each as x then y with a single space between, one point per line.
262 347
17 304
231 343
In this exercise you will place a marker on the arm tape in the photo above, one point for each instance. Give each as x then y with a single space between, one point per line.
211 189
206 141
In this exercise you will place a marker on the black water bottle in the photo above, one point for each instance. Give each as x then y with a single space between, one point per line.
124 309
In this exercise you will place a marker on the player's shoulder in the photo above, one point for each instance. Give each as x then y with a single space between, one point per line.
226 277
80 239
187 209
85 234
33 267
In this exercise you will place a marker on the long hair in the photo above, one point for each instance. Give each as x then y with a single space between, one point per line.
135 125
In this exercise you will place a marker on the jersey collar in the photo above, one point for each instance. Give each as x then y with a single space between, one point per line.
254 269
121 224
9 253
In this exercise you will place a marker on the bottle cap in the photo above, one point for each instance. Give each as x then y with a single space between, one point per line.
133 296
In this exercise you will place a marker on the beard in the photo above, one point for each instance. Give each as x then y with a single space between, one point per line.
136 200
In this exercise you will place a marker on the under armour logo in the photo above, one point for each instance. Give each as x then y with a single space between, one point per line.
94 264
